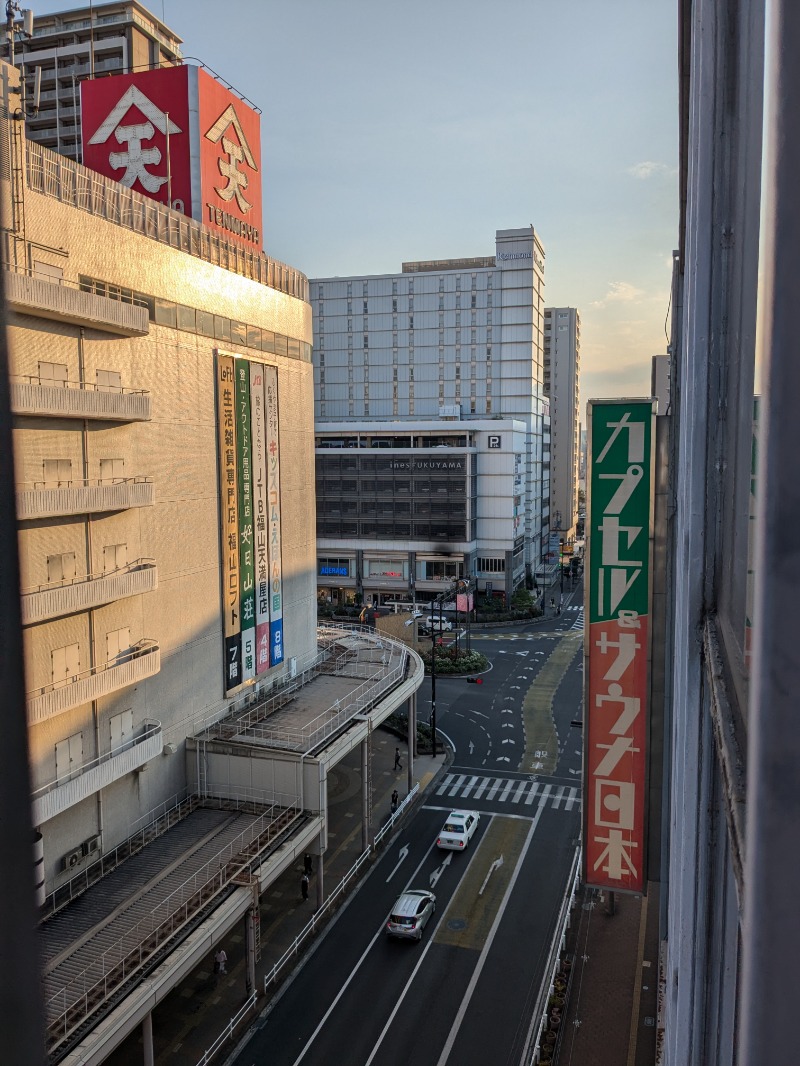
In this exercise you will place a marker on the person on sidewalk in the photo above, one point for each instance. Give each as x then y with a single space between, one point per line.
220 961
304 886
308 864
395 801
397 764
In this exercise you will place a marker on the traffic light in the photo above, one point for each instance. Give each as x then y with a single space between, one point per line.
474 680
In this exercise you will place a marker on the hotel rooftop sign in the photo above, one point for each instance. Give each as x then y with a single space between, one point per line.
617 641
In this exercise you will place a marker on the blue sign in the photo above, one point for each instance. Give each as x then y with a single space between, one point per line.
334 571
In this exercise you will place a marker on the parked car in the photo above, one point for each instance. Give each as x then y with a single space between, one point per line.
458 830
411 913
433 621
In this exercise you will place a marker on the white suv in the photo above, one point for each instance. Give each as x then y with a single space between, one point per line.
433 621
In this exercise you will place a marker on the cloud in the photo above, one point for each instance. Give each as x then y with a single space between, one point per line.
648 169
618 292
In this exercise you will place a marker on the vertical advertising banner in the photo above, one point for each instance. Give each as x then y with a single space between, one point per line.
258 428
229 521
246 531
617 641
274 517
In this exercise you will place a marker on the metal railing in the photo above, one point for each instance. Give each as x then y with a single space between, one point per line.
72 183
228 1031
331 720
539 1016
146 646
105 973
128 568
84 386
152 728
259 704
74 483
318 918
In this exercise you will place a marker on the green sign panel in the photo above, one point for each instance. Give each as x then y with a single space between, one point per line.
621 478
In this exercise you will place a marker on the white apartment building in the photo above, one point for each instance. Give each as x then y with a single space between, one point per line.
445 340
562 369
84 42
406 508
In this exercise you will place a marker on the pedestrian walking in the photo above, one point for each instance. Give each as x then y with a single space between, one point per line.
220 961
558 609
395 800
397 764
304 886
552 602
308 864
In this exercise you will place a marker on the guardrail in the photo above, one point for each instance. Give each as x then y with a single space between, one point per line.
323 913
94 983
539 1016
227 1032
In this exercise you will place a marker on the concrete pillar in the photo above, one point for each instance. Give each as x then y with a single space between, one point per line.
412 737
320 881
366 805
147 1040
250 920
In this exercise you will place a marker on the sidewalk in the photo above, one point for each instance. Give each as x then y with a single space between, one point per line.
191 1018
611 1010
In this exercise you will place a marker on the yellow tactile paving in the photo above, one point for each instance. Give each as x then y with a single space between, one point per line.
468 919
541 739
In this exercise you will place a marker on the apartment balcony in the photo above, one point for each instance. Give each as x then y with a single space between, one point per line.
64 303
41 499
78 399
57 600
98 773
141 661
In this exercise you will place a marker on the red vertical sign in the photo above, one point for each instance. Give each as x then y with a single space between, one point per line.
617 642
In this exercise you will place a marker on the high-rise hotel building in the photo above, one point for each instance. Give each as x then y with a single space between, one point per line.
444 342
562 369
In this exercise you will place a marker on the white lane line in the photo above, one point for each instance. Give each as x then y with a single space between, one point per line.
462 1010
357 966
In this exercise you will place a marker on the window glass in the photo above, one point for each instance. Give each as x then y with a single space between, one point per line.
186 318
253 337
205 323
166 313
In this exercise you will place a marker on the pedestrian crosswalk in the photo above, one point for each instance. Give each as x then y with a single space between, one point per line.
578 623
512 790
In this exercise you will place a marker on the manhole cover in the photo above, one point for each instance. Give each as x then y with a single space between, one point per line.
456 924
650 1021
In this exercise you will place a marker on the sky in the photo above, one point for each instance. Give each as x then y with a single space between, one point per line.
415 129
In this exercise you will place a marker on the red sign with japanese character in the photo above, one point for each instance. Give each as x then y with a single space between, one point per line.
178 136
617 674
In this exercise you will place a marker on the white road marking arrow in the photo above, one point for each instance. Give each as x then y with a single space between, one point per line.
471 747
513 687
508 740
507 710
576 772
403 855
437 873
495 866
506 725
503 758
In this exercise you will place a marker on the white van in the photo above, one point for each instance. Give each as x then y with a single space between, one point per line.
433 621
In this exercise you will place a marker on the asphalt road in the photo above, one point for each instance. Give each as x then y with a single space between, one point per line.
465 994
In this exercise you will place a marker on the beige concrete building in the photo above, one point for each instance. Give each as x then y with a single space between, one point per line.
562 369
163 796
